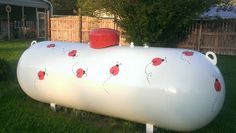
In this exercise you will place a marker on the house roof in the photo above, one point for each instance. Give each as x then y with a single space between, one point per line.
27 3
228 12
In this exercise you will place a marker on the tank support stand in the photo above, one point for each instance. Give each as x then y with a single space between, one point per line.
53 106
149 128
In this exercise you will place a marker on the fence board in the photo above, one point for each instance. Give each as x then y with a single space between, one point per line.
65 28
217 36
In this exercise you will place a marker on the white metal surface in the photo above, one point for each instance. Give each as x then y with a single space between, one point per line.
149 128
176 89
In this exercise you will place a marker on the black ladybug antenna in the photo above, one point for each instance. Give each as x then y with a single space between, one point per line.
63 50
73 67
45 71
85 72
148 74
104 85
184 58
76 55
165 59
118 63
215 74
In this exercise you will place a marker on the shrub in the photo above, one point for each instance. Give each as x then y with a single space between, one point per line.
4 69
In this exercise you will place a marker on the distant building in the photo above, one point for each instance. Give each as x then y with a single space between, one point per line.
227 12
22 19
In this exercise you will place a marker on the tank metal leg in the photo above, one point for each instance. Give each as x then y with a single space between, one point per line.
53 106
149 128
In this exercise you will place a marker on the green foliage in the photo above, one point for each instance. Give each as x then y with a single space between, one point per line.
4 69
10 51
76 7
65 7
89 7
156 21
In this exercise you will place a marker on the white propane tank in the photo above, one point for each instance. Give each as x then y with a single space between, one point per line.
177 89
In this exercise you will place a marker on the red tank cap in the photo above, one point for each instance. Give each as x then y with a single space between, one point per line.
103 37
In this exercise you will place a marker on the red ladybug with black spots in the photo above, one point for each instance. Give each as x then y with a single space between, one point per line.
51 45
41 75
157 61
217 85
80 73
72 53
185 56
188 53
115 70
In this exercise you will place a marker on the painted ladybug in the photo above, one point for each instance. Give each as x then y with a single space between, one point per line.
217 85
72 53
41 75
51 45
188 53
157 61
80 73
114 70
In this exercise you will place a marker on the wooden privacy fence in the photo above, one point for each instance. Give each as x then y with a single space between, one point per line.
65 28
73 29
218 36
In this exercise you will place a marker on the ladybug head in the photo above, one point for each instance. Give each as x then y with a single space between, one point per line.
118 64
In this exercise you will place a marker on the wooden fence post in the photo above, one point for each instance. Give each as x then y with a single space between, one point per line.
80 26
199 37
8 10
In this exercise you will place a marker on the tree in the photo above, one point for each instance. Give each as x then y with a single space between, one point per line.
155 21
76 7
64 7
89 7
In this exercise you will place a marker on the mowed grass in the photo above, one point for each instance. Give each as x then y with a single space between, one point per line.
20 113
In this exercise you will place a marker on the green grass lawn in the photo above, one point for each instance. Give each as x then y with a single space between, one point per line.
20 113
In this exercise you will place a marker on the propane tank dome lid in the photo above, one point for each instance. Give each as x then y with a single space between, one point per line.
103 37
103 31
